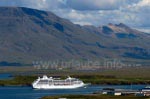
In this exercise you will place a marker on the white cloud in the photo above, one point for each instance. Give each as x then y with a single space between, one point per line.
146 30
144 3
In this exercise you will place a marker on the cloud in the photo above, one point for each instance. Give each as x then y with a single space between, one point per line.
144 3
38 4
131 13
139 12
98 4
146 30
93 12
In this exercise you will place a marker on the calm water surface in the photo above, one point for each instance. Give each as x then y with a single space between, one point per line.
4 76
29 93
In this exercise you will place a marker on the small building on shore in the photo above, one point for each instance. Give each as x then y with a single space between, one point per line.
111 91
146 91
119 92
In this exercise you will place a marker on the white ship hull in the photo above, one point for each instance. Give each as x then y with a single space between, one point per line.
58 86
51 83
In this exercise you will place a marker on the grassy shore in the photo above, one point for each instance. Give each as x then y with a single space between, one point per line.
93 79
94 97
118 77
18 81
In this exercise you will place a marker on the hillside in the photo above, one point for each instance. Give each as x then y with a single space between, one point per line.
27 35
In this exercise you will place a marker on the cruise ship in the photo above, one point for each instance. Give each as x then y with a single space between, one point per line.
56 83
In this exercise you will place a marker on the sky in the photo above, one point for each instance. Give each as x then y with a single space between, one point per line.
135 13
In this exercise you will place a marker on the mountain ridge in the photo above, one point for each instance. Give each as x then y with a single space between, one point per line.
28 34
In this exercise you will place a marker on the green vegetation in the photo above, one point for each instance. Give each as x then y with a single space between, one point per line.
93 79
93 97
118 77
99 79
18 81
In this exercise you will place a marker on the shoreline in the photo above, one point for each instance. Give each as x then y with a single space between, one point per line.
92 79
94 96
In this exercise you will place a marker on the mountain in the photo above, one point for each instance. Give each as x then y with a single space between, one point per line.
28 34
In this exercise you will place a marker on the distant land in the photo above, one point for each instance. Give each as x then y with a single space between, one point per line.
28 35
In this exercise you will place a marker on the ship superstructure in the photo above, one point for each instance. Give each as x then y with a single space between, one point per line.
56 83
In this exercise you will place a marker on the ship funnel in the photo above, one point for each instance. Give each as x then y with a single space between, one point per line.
45 77
69 77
